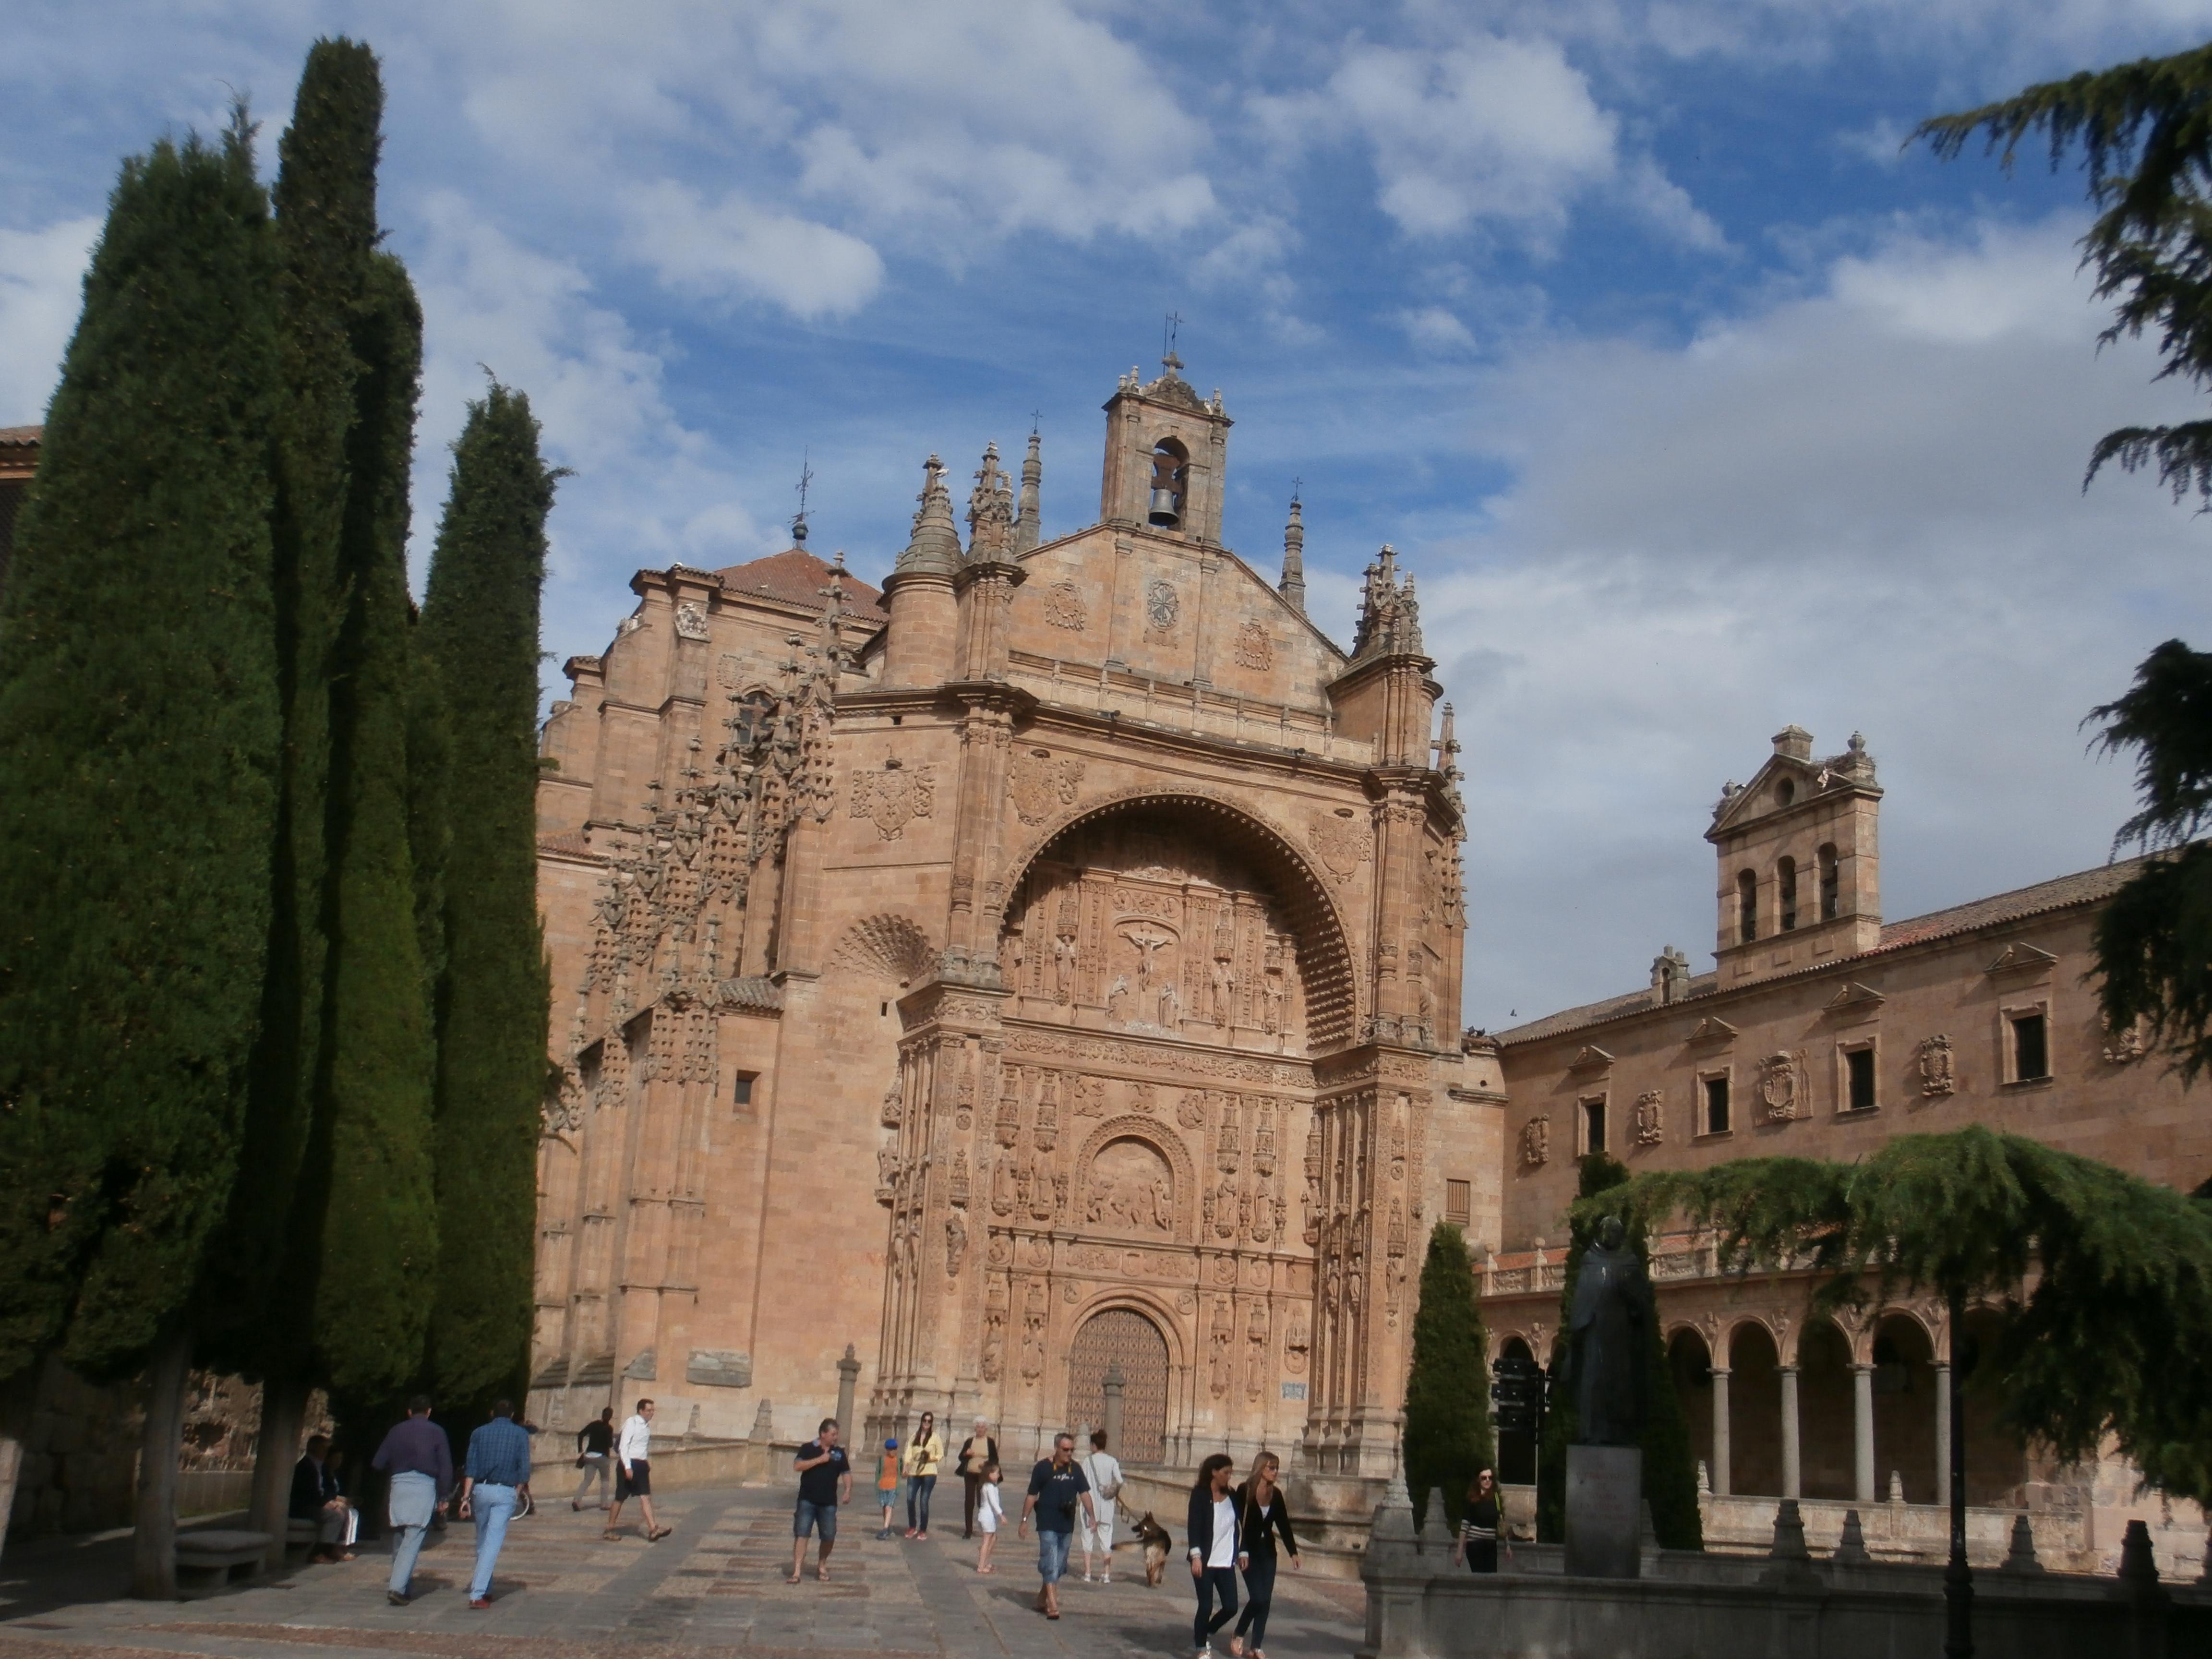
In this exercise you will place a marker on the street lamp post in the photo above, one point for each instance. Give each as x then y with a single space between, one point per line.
1958 1581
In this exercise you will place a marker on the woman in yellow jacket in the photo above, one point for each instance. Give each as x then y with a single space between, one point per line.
923 1454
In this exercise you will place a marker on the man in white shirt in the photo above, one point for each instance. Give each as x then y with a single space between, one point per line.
633 1474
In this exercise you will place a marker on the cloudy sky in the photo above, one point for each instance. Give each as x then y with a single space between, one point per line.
1697 407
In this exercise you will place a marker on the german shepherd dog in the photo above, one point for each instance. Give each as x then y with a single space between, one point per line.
1159 1546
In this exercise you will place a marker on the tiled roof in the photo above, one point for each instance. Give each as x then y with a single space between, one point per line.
26 437
797 577
2086 887
573 842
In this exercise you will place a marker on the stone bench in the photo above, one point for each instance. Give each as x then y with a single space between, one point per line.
215 1558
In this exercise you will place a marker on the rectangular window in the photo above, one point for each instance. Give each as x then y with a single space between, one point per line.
1459 1202
1717 1105
1593 1125
2031 1048
1858 1079
742 1093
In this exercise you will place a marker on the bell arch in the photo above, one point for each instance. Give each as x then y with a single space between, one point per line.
1325 957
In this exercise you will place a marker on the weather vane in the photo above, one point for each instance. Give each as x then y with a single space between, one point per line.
1298 490
1169 330
805 478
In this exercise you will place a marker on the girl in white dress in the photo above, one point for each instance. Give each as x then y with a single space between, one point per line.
990 1512
1103 1470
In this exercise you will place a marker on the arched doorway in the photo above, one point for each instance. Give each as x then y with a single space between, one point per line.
1124 1337
1689 1363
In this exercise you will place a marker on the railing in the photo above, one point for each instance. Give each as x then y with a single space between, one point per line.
1142 700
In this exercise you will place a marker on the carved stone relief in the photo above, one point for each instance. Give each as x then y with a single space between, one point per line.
1063 607
1781 1087
2127 1044
1651 1117
1161 608
1041 783
1129 1187
892 797
1343 841
690 621
1935 1072
1536 1140
1254 649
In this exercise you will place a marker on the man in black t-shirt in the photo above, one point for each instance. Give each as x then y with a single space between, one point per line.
825 1481
1056 1486
595 1445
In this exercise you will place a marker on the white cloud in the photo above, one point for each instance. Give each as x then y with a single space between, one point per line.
1434 329
737 249
41 290
1856 507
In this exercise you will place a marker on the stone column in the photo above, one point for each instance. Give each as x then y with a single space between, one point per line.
1793 1478
1720 1470
1943 1432
1863 1432
1112 1384
849 1375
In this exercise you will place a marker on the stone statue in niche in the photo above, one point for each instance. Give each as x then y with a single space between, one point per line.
887 1170
1272 1003
1223 985
1117 998
994 1330
1295 1348
1609 1333
1063 967
1222 1334
956 1244
1255 1343
1164 1204
1170 1009
1935 1074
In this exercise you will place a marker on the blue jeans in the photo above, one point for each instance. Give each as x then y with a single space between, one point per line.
1052 1554
1214 1580
809 1517
919 1490
494 1507
414 1500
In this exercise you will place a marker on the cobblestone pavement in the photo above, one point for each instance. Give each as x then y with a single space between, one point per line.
714 1588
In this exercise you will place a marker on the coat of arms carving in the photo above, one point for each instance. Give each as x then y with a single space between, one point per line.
1651 1120
1063 607
1343 841
1253 648
890 798
1936 1077
1161 608
1040 782
690 622
1778 1087
1536 1141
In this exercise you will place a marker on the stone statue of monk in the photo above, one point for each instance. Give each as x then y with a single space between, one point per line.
1609 1337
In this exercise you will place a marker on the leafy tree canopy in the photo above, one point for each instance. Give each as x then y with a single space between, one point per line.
2104 1282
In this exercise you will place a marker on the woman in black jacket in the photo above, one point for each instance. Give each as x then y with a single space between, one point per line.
1211 1529
1261 1517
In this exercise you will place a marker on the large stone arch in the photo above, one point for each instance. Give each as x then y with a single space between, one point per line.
1325 959
1170 1402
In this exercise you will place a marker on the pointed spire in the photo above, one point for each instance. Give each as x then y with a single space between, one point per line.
935 546
990 510
1026 523
1294 558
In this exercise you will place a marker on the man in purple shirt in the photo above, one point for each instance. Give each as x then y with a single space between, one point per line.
419 1458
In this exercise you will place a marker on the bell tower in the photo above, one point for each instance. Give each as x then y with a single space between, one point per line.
1166 450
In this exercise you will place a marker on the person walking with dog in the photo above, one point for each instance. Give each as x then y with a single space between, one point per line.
1057 1486
1103 1470
595 1449
1263 1516
1211 1530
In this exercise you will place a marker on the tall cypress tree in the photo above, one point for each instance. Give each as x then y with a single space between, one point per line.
1448 1436
1670 1474
480 625
140 727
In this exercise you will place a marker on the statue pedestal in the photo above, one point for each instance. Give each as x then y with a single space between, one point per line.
1605 1490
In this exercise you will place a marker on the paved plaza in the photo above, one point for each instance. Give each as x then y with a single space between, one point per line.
715 1587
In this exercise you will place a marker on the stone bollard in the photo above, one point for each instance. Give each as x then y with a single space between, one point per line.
1111 1386
2138 1561
2021 1558
764 1423
1792 1560
1850 1549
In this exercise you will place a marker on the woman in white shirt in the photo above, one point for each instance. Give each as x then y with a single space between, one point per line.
1103 1470
1211 1529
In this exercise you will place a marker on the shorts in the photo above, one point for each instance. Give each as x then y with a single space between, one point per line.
1052 1554
635 1482
811 1517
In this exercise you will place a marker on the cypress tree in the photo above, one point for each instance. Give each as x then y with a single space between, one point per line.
1448 1437
140 727
1670 1474
480 626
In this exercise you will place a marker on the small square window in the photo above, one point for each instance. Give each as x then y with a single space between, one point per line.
1717 1105
1459 1202
2030 1046
1859 1079
741 1093
1593 1125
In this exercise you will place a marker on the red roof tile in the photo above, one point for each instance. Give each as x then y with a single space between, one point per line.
797 577
21 436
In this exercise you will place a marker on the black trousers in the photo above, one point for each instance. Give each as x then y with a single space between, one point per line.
1214 1580
972 1495
1260 1594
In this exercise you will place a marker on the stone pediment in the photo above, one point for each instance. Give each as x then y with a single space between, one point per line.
1854 999
1712 1029
1591 1058
2019 957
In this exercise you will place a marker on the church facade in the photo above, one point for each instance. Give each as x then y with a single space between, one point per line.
1048 965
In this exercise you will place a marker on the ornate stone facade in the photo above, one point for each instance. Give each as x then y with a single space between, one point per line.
1051 962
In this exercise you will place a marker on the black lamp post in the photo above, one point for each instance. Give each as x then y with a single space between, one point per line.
1958 1581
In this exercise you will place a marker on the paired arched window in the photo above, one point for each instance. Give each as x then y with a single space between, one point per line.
1170 476
1785 883
1747 907
1830 883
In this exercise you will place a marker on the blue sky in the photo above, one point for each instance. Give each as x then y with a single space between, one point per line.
1697 408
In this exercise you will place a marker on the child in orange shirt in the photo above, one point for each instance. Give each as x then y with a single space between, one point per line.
887 1479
